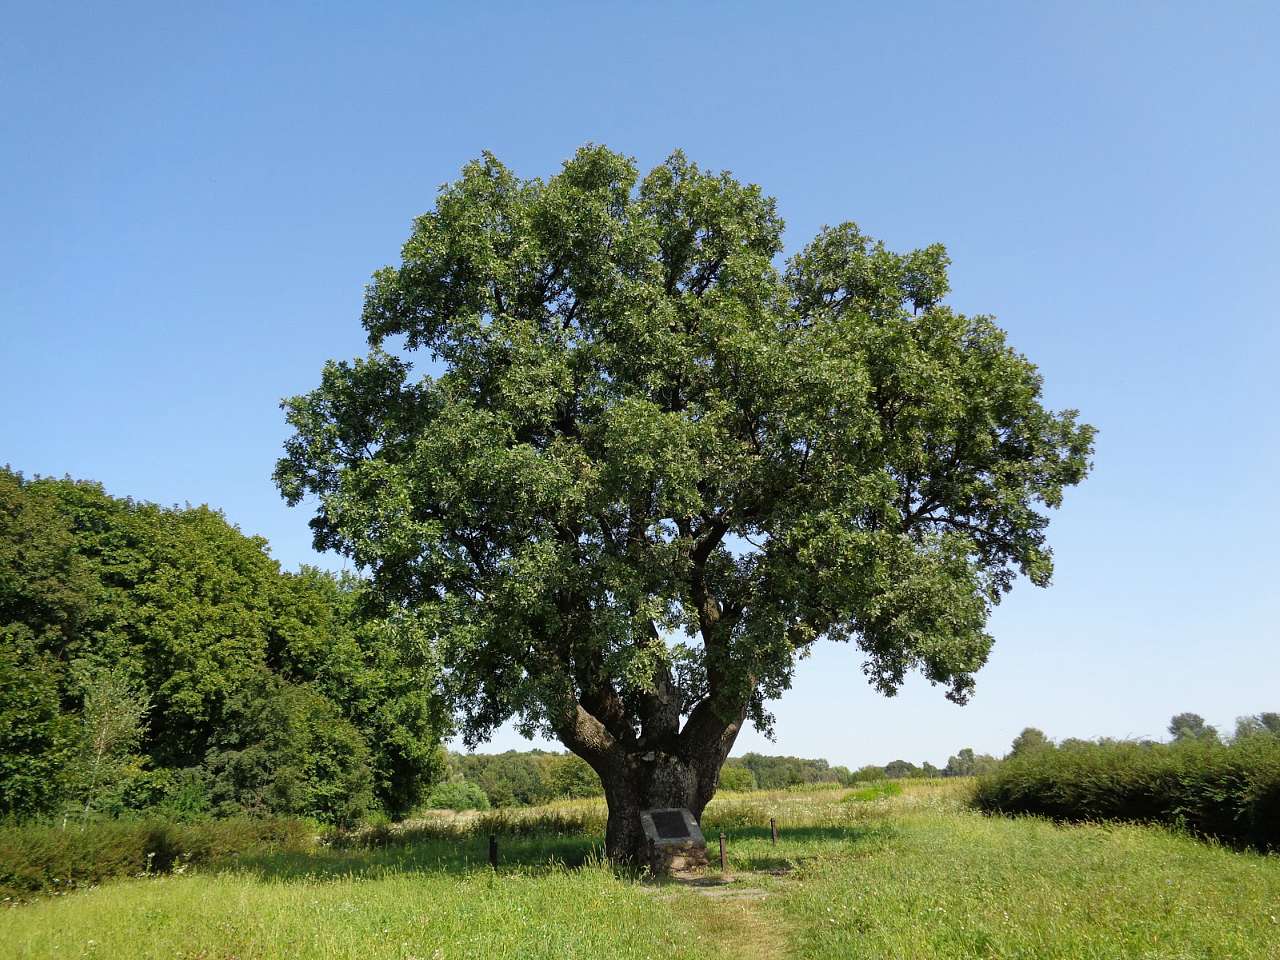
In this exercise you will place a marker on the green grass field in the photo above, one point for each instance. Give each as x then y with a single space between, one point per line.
855 874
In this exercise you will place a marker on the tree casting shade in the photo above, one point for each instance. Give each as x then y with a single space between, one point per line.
656 467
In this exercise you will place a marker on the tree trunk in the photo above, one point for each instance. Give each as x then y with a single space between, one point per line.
649 780
677 768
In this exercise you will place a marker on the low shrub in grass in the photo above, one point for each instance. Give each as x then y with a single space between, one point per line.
875 791
35 858
1228 792
457 795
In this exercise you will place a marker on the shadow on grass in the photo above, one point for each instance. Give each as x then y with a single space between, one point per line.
459 856
749 848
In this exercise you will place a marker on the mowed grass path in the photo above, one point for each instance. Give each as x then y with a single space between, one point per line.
912 876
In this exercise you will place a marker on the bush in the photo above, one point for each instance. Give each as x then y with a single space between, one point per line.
737 778
1228 792
875 791
572 777
457 795
179 795
35 859
35 739
291 753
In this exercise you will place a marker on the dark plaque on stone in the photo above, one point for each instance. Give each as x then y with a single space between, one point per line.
675 841
670 825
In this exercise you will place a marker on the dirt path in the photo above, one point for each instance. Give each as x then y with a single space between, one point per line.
734 914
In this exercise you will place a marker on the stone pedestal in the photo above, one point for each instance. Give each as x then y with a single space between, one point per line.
676 844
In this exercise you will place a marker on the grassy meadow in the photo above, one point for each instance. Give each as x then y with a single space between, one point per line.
857 873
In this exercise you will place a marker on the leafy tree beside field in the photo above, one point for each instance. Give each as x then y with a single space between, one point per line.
656 467
1261 724
1191 726
264 691
1028 741
966 763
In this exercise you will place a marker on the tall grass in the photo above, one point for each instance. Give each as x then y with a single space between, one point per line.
916 876
1231 793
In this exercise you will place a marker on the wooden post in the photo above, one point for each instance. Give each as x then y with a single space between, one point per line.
724 863
773 829
493 850
653 857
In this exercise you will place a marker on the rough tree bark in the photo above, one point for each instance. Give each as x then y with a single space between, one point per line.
681 771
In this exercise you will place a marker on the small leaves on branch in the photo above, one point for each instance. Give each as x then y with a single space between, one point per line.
614 468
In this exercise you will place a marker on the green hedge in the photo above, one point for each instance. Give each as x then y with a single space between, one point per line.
36 859
1231 792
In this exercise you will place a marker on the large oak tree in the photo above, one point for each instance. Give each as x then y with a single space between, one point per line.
649 467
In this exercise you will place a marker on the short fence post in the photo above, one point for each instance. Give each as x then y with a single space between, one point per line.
724 863
493 850
653 857
773 829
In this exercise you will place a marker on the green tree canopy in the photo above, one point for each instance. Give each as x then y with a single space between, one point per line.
966 763
735 776
1259 724
653 466
179 606
1191 726
1029 740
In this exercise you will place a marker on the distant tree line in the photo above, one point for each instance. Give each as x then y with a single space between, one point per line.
1183 728
514 779
524 778
157 659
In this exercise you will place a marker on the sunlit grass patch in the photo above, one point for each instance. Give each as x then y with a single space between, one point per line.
874 791
911 874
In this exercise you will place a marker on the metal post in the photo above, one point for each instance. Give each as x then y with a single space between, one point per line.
493 850
773 829
724 863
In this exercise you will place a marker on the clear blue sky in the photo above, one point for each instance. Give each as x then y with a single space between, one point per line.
193 198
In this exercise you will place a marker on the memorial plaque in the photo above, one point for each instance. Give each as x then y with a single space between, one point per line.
675 841
670 825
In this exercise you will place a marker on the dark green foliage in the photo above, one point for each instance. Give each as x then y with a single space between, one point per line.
36 739
1029 741
323 638
599 411
1265 724
776 773
571 777
523 778
181 608
35 859
510 779
45 584
288 750
1191 726
735 776
900 770
966 763
457 795
867 774
180 795
1228 792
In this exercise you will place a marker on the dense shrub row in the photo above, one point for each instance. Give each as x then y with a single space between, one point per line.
1214 790
36 859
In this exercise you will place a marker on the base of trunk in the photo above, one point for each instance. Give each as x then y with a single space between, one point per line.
649 781
676 859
